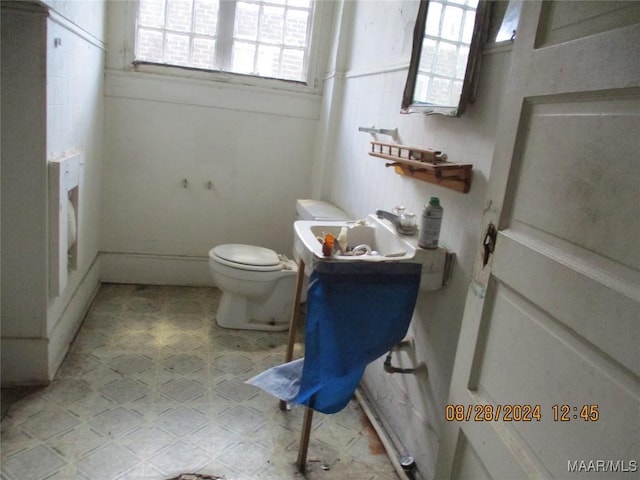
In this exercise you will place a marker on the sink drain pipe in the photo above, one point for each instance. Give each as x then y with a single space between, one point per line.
406 462
390 368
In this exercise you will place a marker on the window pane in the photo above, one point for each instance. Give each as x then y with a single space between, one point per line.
268 61
246 26
463 53
179 15
422 83
202 55
439 91
296 31
206 17
446 60
433 20
149 46
451 23
427 54
456 91
242 57
176 50
292 67
151 13
272 25
467 32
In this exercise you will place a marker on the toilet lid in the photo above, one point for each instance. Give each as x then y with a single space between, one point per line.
249 255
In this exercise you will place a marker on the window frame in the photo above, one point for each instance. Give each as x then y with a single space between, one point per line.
317 55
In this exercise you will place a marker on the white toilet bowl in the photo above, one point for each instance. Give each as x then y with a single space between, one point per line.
257 287
257 284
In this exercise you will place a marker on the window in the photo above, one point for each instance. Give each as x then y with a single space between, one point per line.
445 49
267 38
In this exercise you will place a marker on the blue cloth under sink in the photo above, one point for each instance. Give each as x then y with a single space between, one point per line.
356 312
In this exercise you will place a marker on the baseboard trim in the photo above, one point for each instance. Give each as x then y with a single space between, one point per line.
65 329
389 447
35 360
150 269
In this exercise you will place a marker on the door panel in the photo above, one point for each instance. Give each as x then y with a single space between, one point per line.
568 20
597 301
567 371
553 318
590 185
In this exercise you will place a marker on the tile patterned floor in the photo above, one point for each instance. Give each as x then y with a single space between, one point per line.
152 388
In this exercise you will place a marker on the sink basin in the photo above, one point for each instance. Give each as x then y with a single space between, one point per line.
383 242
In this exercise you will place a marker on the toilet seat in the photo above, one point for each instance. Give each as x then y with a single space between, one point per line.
247 257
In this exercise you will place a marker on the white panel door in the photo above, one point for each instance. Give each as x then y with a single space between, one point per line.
546 380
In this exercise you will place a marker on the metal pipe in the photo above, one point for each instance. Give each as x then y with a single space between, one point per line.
390 368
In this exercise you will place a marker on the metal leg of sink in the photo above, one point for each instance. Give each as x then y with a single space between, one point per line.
301 463
308 412
293 323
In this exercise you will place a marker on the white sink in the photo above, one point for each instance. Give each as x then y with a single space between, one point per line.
383 241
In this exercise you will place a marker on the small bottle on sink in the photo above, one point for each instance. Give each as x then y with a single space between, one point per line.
342 240
327 245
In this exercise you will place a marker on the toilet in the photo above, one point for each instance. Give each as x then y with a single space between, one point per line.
257 283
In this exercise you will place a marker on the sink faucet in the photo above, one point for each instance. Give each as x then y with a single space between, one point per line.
393 218
397 222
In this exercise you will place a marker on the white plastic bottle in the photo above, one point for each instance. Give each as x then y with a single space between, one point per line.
430 225
342 240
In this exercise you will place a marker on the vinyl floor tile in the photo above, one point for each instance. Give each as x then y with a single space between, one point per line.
152 388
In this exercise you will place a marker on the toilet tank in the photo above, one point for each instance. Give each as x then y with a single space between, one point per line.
307 209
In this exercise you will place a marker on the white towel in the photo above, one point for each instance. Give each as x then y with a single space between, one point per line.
72 228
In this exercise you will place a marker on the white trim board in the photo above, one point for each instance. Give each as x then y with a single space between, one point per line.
66 327
211 94
150 269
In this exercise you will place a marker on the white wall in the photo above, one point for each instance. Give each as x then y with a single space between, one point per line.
24 183
255 146
52 106
368 77
75 122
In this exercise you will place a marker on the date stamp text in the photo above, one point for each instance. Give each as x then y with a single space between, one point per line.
519 413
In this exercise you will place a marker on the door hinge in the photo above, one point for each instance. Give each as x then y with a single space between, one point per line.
489 243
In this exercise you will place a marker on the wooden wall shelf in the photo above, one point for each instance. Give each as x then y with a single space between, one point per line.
424 164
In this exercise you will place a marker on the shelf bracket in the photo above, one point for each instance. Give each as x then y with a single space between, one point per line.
393 133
